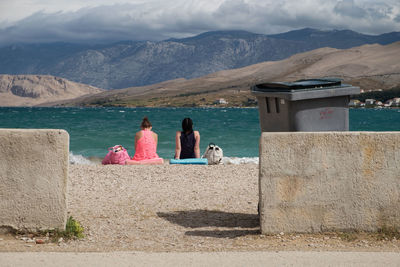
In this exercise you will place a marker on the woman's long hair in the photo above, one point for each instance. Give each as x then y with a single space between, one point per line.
187 125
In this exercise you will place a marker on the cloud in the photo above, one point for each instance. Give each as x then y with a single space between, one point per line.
349 9
369 10
158 20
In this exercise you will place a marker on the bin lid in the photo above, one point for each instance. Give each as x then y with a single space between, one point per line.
305 89
307 84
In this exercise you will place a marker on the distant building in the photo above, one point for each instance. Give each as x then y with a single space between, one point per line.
221 101
388 103
378 103
354 103
396 101
251 101
369 102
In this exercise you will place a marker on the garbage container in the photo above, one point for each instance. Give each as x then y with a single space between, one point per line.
304 105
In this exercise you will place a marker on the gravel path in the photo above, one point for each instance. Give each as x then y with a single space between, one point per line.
177 208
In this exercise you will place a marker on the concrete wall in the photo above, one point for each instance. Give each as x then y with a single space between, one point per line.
33 178
314 182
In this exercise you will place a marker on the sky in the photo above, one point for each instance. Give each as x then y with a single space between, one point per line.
95 21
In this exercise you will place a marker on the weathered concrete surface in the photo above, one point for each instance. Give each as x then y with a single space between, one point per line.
33 178
257 258
313 182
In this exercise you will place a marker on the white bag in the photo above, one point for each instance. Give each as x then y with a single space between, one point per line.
213 154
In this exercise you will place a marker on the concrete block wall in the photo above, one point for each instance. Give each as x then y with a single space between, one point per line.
323 181
33 178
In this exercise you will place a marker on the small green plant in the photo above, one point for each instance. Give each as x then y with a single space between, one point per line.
73 228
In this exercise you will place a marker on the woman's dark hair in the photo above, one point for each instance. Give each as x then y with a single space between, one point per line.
187 125
145 123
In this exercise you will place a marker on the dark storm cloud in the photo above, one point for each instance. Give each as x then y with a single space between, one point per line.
349 9
96 24
370 10
162 20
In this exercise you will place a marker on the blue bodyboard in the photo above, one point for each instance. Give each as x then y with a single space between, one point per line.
189 161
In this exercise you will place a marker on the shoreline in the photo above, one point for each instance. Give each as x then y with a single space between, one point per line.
177 107
95 160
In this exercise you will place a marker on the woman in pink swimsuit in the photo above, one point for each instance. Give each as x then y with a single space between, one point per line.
145 146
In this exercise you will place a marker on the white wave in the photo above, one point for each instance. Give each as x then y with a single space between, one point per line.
79 159
236 161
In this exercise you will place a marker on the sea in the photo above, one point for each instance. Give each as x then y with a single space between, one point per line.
236 130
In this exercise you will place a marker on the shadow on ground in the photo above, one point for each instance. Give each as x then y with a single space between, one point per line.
223 234
207 218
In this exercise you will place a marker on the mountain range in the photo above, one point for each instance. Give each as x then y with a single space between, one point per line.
142 63
371 67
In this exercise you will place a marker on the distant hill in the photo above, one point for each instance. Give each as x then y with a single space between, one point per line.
125 64
29 90
341 39
371 67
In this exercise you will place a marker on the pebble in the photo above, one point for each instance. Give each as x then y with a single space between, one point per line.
281 233
39 241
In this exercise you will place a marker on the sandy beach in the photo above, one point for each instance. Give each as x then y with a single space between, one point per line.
178 208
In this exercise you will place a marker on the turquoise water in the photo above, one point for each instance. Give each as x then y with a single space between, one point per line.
237 131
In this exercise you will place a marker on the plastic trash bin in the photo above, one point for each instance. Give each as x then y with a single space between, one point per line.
304 105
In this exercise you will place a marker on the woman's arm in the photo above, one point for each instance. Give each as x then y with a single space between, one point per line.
136 138
177 145
197 144
155 137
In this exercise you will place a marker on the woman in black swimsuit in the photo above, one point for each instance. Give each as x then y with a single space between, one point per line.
187 141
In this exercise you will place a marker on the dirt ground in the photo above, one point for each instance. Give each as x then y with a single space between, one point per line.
173 208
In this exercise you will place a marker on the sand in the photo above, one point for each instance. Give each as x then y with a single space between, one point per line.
177 208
